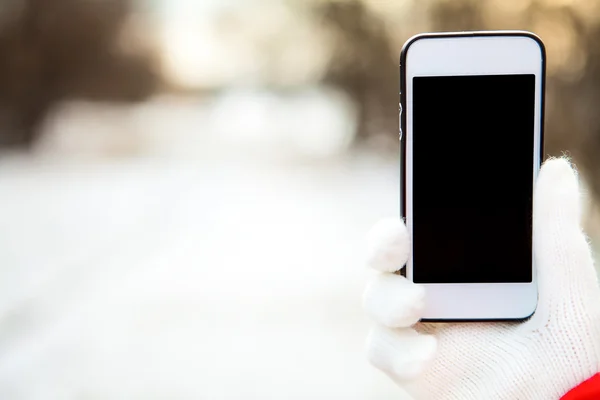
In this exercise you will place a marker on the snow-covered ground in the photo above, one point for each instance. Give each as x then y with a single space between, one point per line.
193 266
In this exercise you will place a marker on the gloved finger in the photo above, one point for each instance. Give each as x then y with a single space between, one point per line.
394 301
561 251
403 354
388 245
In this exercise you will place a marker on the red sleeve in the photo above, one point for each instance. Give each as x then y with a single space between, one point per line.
588 390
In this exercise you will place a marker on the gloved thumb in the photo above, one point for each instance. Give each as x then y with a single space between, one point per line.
562 256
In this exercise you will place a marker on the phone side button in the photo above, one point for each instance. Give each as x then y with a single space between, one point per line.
400 121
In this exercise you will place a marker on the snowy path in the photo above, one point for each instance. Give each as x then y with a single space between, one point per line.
158 279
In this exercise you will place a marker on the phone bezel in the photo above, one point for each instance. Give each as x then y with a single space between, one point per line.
471 53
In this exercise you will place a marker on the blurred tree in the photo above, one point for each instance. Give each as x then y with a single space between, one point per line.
52 50
363 64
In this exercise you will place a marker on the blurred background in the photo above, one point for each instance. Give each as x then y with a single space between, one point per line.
185 185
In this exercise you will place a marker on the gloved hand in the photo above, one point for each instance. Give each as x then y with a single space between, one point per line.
541 358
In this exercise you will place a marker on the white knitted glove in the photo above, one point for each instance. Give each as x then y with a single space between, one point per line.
542 358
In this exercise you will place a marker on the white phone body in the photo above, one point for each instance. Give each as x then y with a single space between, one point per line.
459 54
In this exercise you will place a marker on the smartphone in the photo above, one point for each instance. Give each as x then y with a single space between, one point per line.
471 128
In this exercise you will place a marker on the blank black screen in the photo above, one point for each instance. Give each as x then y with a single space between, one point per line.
473 139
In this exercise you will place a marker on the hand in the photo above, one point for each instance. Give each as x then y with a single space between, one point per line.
541 358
